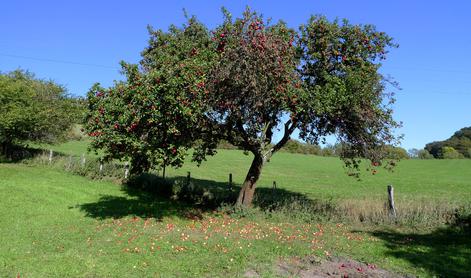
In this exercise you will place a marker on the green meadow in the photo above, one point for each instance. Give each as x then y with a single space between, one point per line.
431 180
54 223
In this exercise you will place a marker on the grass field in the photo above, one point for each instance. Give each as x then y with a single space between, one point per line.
55 224
426 181
325 177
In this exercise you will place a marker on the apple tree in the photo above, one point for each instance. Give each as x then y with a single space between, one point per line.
244 82
322 80
150 117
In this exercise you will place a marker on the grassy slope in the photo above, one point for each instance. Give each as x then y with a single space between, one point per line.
324 177
42 231
76 148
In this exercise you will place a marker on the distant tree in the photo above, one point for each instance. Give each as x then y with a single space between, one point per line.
332 150
242 81
413 153
294 146
33 109
394 152
424 154
435 148
450 153
460 141
328 150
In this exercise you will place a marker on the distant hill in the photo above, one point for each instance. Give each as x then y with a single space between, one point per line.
460 141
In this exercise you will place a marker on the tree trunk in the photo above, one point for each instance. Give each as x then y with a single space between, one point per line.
6 148
139 164
248 188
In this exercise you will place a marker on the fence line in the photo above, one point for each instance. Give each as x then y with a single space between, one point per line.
103 168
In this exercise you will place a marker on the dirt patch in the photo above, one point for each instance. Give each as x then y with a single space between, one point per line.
314 267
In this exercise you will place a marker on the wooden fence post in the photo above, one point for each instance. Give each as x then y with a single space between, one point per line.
101 166
50 156
274 184
83 160
126 170
230 181
188 178
392 207
70 162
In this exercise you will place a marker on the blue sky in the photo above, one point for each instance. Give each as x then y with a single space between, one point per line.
78 43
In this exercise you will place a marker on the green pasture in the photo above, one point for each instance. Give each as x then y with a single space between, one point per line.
55 224
428 181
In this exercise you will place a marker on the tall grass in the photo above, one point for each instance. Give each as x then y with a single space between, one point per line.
113 171
283 204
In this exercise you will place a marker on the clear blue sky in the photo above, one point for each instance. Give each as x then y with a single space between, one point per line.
431 65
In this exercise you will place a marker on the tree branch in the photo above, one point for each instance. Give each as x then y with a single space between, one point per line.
290 126
268 132
245 136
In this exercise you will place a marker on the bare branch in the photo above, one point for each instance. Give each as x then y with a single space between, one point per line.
290 126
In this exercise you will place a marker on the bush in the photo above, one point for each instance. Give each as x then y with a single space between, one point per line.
153 184
424 154
462 218
393 152
223 144
450 153
75 133
203 194
113 171
294 146
328 151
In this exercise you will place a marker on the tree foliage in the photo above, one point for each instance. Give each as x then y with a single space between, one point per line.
450 153
34 109
424 154
295 146
149 117
460 141
396 153
242 82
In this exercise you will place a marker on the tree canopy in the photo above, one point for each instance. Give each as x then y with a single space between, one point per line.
460 141
150 118
33 109
242 82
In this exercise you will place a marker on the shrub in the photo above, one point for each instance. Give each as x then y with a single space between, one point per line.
393 152
223 144
424 154
294 146
203 194
450 153
462 218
